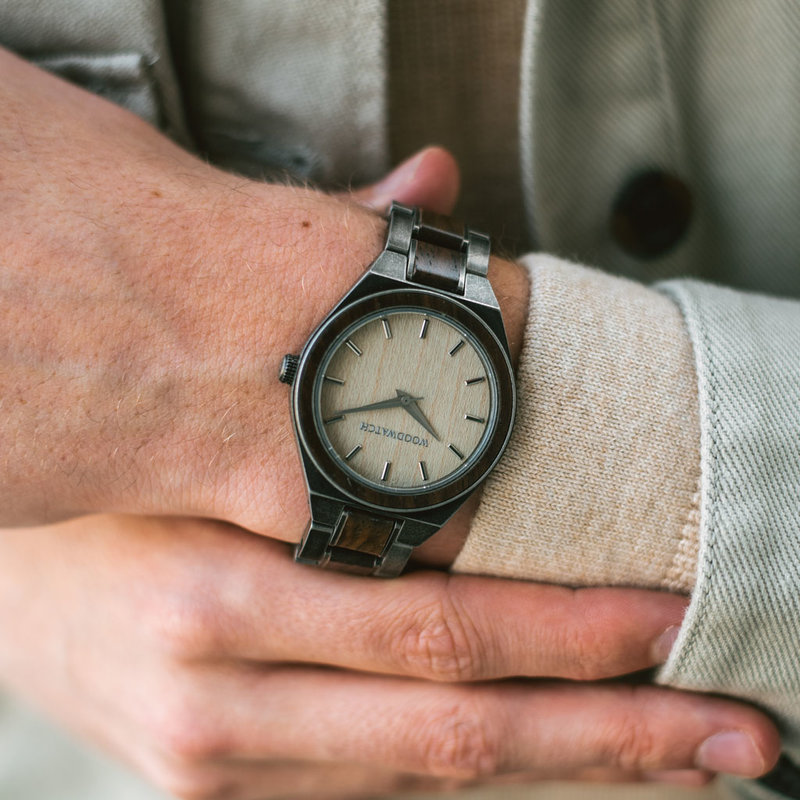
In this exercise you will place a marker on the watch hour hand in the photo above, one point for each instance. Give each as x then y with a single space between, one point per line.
416 412
393 402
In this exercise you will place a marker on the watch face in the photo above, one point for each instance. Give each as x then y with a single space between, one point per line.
404 399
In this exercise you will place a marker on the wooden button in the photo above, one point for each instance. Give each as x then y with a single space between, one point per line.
651 214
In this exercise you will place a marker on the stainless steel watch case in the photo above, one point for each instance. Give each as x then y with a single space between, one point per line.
329 486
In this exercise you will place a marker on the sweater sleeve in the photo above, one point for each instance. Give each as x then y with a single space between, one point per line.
599 485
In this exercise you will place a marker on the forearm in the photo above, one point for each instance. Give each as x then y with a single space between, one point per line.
149 299
146 298
68 257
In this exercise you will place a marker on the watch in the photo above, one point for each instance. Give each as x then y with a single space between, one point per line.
403 398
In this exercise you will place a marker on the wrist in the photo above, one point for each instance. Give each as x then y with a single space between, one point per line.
511 286
470 398
271 260
241 283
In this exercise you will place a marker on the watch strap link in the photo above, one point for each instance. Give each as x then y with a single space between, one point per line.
358 541
439 250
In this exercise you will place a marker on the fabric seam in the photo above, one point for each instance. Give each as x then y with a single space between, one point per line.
690 529
686 643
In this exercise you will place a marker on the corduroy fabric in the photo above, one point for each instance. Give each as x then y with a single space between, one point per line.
742 631
461 89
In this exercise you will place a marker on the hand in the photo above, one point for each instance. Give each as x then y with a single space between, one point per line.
163 294
206 658
147 302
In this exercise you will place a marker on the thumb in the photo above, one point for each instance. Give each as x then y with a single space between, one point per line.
429 179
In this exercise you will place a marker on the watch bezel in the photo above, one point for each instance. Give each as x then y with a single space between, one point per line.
303 400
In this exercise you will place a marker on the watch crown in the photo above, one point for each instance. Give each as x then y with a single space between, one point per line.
288 368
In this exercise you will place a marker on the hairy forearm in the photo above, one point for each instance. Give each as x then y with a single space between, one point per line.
67 342
148 299
135 283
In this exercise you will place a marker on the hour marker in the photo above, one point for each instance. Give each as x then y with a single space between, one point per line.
387 331
385 473
352 452
424 329
333 419
456 451
331 379
473 418
473 381
353 346
423 470
457 347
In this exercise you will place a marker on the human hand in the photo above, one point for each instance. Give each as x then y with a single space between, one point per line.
202 655
148 299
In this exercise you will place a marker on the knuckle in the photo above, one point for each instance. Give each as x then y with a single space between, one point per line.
185 735
573 649
437 642
631 743
584 652
458 741
185 628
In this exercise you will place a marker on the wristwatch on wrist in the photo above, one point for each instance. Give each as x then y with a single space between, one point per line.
403 398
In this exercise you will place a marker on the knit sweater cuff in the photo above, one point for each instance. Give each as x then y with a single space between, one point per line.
599 485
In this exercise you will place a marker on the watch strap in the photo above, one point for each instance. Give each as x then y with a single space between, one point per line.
358 541
440 251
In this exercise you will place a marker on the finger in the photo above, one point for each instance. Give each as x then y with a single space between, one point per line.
686 777
472 732
429 179
257 780
428 624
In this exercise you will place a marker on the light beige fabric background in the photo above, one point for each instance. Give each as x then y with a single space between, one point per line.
600 484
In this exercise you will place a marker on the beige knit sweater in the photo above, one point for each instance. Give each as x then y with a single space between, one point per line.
600 481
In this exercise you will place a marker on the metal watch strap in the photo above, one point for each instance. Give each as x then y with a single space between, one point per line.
357 541
439 253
